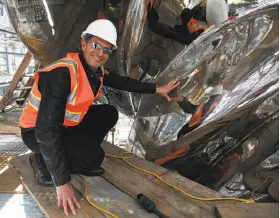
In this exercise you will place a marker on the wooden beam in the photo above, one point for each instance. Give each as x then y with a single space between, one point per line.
10 181
20 71
167 202
138 161
174 178
171 202
241 210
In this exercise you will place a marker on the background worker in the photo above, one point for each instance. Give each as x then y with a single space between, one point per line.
193 21
60 124
180 33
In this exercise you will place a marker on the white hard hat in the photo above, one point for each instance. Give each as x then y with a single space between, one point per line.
103 29
216 11
217 90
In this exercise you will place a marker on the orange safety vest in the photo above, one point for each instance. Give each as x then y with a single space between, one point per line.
79 99
195 25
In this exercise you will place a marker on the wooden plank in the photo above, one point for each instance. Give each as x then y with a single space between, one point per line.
9 127
241 210
101 192
20 71
107 196
138 161
190 187
171 177
10 182
46 197
167 202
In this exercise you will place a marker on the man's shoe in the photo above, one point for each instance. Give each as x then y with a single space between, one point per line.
96 172
40 178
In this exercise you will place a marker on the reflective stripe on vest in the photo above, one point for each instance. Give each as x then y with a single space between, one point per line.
71 98
66 61
35 102
71 63
72 116
75 117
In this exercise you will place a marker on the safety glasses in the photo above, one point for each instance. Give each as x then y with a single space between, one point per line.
97 46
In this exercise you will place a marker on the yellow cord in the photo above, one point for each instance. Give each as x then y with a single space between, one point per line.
123 157
170 185
90 200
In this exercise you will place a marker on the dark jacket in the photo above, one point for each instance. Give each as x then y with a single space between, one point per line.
54 87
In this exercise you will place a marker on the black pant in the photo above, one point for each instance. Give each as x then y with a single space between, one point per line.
82 142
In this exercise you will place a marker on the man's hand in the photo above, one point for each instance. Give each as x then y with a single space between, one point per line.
65 197
164 90
178 96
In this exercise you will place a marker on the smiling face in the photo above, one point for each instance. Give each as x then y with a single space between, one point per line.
94 57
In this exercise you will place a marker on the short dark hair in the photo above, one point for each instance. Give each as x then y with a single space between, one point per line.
87 37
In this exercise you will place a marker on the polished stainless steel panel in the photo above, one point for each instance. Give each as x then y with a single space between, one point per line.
241 56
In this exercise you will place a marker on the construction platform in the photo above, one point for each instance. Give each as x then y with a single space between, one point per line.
117 189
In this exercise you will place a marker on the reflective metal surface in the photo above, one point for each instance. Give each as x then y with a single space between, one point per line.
51 28
235 187
272 161
242 56
249 148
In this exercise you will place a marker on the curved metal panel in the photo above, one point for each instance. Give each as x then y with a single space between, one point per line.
242 56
